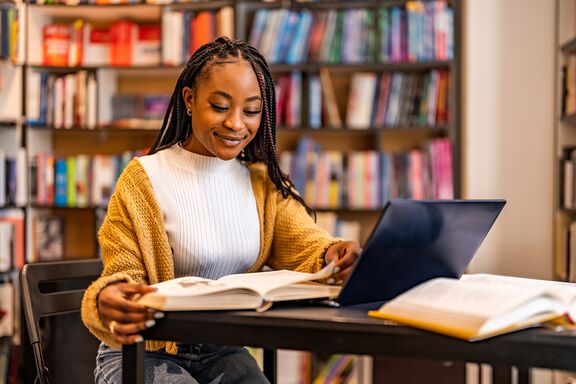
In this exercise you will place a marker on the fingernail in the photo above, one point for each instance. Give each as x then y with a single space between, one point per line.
158 315
330 281
138 339
150 323
336 270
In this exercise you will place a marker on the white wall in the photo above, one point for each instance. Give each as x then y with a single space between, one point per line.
508 80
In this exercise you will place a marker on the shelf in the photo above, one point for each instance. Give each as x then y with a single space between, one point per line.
364 131
87 5
215 4
8 62
89 208
332 4
11 207
100 12
569 119
569 47
568 211
95 131
340 210
128 69
276 68
281 130
350 210
8 124
369 67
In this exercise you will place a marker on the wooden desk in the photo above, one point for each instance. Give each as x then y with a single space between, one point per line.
343 330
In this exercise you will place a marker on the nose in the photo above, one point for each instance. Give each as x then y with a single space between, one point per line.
234 121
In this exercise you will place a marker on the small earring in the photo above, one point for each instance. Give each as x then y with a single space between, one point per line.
242 154
189 112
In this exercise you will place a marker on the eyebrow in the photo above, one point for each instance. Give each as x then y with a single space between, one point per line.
224 94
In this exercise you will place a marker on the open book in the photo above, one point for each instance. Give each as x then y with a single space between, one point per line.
239 291
481 305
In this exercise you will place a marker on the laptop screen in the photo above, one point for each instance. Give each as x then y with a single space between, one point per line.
417 240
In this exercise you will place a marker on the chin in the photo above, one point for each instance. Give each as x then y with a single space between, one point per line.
227 155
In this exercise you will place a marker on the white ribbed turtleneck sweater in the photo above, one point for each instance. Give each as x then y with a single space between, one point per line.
209 209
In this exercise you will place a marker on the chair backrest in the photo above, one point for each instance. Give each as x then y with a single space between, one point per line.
50 289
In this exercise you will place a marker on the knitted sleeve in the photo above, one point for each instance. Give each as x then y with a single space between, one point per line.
126 238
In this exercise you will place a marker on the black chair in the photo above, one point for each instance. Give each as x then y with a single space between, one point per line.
51 289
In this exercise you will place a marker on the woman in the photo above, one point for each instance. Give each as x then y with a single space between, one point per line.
209 200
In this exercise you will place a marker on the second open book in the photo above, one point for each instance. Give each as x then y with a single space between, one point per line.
239 291
481 305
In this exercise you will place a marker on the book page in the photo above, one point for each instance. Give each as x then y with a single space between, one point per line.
469 298
566 292
263 282
191 286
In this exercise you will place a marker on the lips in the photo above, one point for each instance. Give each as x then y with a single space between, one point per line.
229 140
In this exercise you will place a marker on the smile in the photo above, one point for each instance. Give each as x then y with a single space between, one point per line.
229 140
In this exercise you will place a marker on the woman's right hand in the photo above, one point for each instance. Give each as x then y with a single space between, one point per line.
124 317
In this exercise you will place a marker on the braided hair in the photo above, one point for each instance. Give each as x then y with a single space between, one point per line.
177 125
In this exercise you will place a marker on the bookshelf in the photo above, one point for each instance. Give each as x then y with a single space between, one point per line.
565 141
393 136
12 191
28 124
564 133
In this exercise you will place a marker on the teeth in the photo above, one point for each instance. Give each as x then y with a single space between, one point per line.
229 141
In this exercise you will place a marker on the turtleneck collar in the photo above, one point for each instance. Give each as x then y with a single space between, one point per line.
199 164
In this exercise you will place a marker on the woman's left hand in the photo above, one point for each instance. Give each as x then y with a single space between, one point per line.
344 254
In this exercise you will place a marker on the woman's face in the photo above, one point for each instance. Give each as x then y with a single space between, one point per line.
226 110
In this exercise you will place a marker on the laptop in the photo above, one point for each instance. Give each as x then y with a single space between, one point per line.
415 241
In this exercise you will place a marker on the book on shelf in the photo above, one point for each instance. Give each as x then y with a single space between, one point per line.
330 102
96 45
3 194
570 255
122 37
6 246
361 100
479 306
48 233
147 44
6 309
239 291
56 43
14 217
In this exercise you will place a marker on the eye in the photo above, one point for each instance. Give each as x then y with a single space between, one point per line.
253 113
219 108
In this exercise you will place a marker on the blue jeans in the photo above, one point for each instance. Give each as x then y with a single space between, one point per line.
193 364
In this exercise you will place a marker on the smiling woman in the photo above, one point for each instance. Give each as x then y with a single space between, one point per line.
209 200
225 109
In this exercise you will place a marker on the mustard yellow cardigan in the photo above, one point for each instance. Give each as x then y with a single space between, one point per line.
135 245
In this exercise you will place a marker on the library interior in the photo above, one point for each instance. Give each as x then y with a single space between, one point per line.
376 100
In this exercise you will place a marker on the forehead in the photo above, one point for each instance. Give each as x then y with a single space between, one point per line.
235 75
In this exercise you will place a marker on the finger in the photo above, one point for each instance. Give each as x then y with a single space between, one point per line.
121 303
120 316
130 290
345 266
127 329
130 339
346 257
331 255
